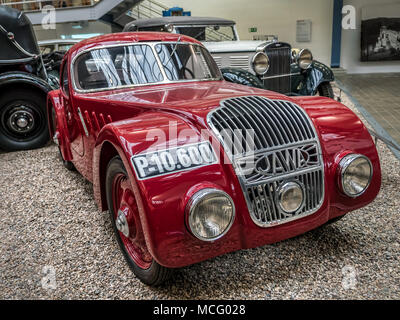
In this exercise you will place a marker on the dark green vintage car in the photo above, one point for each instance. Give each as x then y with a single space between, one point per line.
268 64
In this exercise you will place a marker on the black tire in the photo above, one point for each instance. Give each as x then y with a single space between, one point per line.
325 90
67 164
335 219
31 104
154 275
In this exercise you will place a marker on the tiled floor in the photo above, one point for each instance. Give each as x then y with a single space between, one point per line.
379 94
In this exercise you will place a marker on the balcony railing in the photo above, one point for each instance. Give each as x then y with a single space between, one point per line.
37 5
147 9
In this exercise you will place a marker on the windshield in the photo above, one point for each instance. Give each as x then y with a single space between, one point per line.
186 62
124 66
208 33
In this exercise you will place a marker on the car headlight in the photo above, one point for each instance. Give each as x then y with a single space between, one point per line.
210 214
169 28
260 63
290 197
305 59
355 174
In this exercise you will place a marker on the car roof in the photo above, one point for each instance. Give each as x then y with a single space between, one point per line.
127 38
17 24
56 41
178 20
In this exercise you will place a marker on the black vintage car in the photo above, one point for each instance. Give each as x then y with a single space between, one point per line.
268 64
24 84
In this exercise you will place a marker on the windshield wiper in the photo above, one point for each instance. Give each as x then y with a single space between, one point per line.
173 51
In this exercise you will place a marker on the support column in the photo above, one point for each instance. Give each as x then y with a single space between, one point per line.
336 33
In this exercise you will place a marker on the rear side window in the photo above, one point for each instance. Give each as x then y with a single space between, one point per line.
65 82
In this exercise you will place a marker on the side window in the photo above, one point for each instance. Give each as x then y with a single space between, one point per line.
64 79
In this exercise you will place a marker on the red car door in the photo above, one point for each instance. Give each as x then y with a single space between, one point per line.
74 124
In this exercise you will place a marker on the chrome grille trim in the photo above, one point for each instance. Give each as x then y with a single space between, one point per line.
280 127
280 76
218 61
263 204
241 62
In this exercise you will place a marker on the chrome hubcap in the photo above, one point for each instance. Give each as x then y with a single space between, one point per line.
122 224
21 120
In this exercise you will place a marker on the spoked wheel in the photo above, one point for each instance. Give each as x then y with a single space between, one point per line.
127 226
23 123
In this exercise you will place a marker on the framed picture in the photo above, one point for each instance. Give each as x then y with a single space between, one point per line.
380 28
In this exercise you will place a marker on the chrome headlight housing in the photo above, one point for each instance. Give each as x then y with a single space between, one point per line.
305 59
290 197
168 28
260 63
210 214
355 174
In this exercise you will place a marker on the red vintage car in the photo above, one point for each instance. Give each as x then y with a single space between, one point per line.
190 166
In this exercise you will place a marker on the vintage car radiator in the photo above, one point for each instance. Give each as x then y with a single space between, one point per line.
286 148
278 76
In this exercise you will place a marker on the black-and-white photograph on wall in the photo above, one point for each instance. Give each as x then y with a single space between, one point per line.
380 33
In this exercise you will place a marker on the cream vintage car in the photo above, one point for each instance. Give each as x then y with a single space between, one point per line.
263 64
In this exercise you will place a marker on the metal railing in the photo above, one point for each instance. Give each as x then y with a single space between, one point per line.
37 5
147 9
389 143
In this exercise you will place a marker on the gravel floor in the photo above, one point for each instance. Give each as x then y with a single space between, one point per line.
50 222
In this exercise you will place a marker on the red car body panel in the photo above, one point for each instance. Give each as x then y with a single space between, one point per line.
118 122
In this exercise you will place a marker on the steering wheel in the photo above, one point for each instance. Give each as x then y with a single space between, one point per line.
184 70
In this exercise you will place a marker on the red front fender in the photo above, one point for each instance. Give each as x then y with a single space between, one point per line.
162 200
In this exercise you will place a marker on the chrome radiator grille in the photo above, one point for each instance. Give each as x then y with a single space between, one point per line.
275 123
283 147
278 76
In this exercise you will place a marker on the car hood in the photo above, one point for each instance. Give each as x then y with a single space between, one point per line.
191 99
233 46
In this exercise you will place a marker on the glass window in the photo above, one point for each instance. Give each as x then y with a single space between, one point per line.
117 67
65 82
47 49
64 47
209 33
187 62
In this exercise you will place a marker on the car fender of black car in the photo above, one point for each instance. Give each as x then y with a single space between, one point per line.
16 78
304 82
241 76
307 81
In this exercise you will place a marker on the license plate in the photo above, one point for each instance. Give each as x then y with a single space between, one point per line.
187 157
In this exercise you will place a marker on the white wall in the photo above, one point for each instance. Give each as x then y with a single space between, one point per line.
351 44
271 17
66 29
